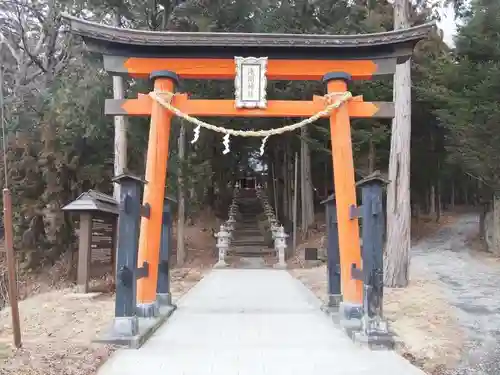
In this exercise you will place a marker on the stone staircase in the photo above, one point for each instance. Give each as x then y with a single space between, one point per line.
248 241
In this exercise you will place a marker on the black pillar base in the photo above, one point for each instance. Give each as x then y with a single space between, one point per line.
334 301
332 305
164 299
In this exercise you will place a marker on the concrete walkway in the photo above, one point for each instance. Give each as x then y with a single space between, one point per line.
252 322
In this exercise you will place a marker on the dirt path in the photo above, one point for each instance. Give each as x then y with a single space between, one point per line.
472 286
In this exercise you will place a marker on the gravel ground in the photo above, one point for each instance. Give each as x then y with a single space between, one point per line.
450 311
58 328
448 319
425 324
472 282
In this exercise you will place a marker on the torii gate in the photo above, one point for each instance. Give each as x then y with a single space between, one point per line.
167 57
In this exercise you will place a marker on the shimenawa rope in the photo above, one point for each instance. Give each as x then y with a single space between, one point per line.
337 98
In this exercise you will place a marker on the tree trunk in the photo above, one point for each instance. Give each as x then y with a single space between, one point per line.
485 209
285 185
397 254
276 181
210 190
477 193
438 193
452 195
371 156
439 202
52 213
432 200
496 225
181 217
295 197
120 162
290 178
309 189
307 196
275 191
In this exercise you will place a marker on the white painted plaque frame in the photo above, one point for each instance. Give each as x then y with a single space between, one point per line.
250 83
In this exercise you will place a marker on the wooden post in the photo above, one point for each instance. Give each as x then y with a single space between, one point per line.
373 245
84 251
345 194
275 191
114 244
9 230
295 193
375 330
163 295
333 256
125 322
154 194
11 266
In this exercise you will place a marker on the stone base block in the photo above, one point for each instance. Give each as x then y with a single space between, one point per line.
221 264
280 266
125 326
375 340
350 317
82 288
133 332
350 311
334 301
351 326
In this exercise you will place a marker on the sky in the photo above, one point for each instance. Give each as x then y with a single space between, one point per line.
447 24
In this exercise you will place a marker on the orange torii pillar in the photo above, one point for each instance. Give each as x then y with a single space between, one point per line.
345 195
154 194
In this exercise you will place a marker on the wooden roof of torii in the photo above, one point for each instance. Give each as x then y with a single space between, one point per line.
121 46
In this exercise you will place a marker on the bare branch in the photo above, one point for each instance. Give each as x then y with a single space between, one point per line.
478 178
41 40
33 75
25 46
4 41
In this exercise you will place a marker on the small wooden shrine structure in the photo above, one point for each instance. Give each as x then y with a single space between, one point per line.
97 219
